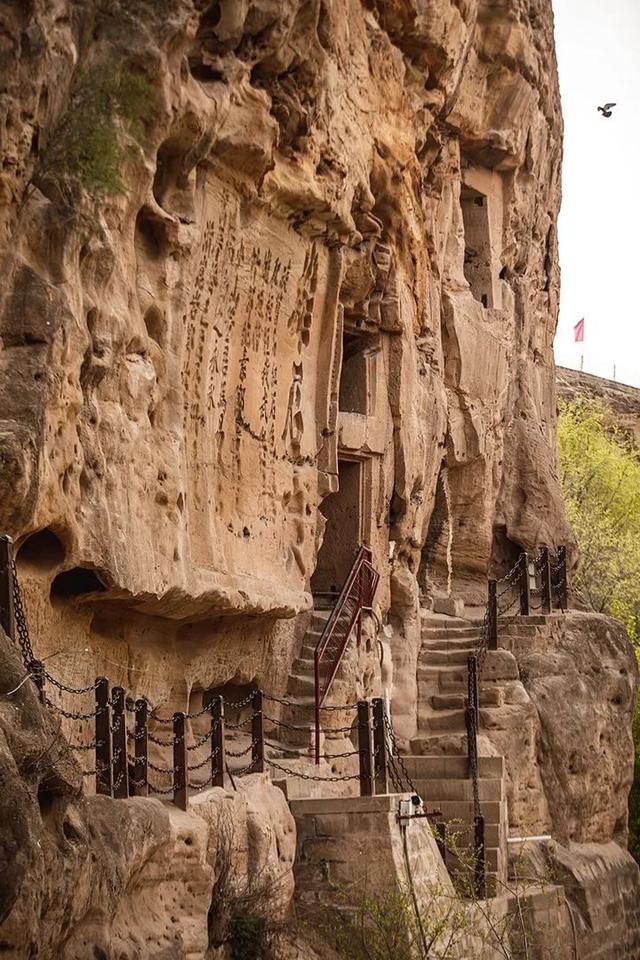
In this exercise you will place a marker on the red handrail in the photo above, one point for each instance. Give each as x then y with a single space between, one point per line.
355 597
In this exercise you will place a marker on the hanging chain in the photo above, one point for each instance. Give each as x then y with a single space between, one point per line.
21 620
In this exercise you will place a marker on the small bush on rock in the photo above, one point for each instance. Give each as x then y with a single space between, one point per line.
86 145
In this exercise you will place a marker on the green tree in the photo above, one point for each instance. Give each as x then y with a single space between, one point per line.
600 475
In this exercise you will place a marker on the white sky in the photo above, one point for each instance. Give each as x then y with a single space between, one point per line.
598 48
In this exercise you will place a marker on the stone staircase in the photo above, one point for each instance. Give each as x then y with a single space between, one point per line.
447 642
443 783
438 765
300 692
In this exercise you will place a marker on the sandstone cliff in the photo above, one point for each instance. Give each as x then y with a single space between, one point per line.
280 277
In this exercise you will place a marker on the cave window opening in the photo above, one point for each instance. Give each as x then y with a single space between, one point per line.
75 583
357 374
41 551
477 245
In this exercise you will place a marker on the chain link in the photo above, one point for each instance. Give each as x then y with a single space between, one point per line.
22 627
70 715
308 776
397 756
203 763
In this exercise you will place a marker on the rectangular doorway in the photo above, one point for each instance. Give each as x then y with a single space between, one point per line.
343 532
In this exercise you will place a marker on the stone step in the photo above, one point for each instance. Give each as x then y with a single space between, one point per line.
452 633
537 620
300 685
440 674
463 835
441 621
448 701
305 666
451 767
443 720
491 695
436 790
444 657
492 810
445 646
440 744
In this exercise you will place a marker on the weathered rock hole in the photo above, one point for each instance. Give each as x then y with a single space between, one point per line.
46 799
42 551
156 326
150 235
75 582
70 832
205 73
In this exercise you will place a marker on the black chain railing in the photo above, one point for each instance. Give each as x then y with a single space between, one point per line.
122 756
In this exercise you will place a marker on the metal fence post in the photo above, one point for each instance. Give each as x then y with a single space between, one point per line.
180 771
104 771
472 743
141 748
257 733
7 609
545 577
525 589
365 748
216 707
119 744
492 607
479 857
380 758
562 562
472 687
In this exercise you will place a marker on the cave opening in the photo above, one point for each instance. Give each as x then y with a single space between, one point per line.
75 583
41 551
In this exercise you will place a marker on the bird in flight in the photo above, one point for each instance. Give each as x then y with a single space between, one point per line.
607 109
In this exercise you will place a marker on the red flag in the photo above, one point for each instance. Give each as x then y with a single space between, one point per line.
578 331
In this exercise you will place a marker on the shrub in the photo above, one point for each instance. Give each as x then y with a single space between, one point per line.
86 144
600 474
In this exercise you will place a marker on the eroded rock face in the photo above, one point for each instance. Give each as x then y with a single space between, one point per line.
88 876
334 263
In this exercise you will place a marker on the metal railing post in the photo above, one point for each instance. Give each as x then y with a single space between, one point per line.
7 609
180 771
562 562
365 748
472 742
141 747
380 758
216 706
472 688
479 859
525 588
104 771
257 733
119 744
492 607
545 578
316 676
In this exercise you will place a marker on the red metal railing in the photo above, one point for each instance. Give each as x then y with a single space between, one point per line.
355 597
